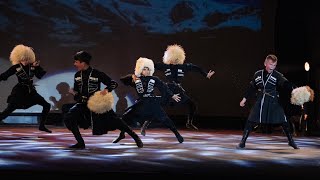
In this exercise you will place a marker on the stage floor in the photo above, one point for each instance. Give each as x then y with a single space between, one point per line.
26 151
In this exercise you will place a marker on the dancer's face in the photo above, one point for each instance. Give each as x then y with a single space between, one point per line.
24 62
79 65
270 65
145 71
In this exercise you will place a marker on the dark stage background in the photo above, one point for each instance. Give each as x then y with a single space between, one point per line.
231 37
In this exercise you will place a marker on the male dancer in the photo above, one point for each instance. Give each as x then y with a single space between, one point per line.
174 69
24 94
148 105
87 81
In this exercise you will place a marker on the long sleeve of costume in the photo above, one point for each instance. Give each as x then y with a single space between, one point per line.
251 91
284 83
127 80
195 68
77 95
11 71
160 66
39 72
106 80
164 89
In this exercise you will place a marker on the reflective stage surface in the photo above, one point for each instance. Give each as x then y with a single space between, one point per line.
26 151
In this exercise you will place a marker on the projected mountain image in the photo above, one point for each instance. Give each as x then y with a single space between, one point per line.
69 21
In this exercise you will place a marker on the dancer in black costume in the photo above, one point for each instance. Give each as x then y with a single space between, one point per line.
267 109
148 105
174 69
24 94
87 81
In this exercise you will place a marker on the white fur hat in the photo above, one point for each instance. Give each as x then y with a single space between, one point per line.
141 63
22 52
174 55
301 95
99 103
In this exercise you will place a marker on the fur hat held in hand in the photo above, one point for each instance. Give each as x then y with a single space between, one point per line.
142 63
174 55
301 95
99 103
21 53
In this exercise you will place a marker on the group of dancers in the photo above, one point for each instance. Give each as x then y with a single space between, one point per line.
88 80
98 114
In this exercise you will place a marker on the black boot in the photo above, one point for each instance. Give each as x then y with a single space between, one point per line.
144 127
43 128
78 146
135 137
242 143
190 124
80 142
178 136
248 128
293 129
44 115
192 107
291 142
120 137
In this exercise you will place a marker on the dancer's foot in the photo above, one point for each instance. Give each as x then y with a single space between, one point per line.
180 138
78 146
139 143
143 131
43 128
191 126
241 145
293 144
121 136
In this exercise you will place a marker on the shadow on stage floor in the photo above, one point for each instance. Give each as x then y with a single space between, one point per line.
25 151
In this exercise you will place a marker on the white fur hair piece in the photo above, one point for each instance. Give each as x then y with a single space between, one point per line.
22 52
300 95
174 55
99 103
141 63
